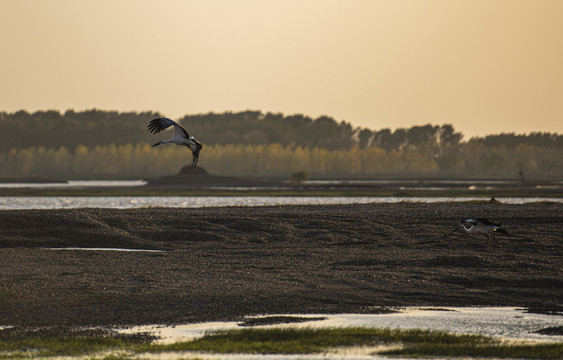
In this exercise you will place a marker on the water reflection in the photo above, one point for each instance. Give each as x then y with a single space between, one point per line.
72 184
505 322
102 249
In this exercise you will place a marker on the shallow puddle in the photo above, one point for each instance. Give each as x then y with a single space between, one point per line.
101 249
504 322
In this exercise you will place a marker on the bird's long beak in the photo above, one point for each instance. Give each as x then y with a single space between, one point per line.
158 143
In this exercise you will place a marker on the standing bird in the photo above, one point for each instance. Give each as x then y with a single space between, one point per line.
482 226
181 136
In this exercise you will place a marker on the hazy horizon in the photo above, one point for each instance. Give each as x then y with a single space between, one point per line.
486 67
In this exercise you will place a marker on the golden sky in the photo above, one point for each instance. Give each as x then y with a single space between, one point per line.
485 66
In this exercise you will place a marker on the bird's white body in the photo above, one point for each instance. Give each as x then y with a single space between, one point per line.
177 139
478 228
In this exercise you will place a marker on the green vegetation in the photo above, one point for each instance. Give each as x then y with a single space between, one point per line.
106 144
140 161
308 340
63 346
299 176
412 343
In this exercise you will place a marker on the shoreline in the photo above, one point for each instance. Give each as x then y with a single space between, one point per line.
204 184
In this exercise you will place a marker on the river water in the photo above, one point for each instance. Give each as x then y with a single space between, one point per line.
131 202
73 184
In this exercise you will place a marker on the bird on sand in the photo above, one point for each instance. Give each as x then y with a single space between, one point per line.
482 226
181 136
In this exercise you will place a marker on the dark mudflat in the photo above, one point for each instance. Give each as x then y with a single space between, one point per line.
224 263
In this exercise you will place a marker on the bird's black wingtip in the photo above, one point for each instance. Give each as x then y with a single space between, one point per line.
502 231
154 126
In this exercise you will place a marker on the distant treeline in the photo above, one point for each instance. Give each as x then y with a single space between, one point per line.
468 160
107 144
53 129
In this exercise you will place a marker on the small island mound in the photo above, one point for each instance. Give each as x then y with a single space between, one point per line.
199 178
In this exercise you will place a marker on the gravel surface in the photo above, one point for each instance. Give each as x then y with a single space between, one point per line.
225 263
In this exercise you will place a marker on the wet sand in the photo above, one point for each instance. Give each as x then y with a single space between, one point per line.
225 263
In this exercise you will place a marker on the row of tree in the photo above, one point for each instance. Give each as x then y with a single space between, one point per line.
53 129
90 128
134 161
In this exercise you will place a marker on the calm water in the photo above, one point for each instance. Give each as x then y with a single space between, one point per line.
504 322
128 202
73 184
131 202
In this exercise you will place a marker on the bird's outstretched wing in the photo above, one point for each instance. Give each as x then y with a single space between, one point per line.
502 231
485 221
159 124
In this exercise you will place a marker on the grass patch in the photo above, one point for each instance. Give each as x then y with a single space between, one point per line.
415 343
64 346
47 342
308 340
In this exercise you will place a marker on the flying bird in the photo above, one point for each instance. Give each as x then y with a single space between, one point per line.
181 136
482 226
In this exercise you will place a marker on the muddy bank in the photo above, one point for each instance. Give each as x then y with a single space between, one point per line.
224 263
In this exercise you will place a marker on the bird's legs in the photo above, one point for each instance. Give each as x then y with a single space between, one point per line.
195 158
487 236
494 239
195 154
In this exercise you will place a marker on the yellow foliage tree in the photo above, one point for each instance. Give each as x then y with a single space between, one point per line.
142 161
